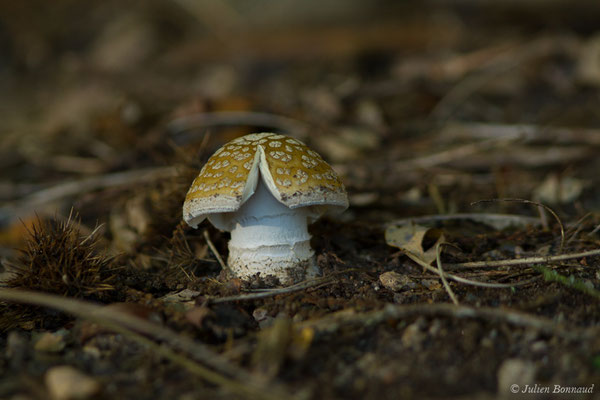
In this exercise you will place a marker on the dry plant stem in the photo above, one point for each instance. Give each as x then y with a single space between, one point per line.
434 194
544 219
73 164
217 370
212 248
341 319
551 211
459 152
456 278
498 221
202 120
548 134
76 187
576 228
596 229
524 261
438 252
310 283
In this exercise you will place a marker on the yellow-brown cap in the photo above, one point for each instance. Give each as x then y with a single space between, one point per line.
294 174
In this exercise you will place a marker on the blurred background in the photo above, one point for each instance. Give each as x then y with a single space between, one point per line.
422 106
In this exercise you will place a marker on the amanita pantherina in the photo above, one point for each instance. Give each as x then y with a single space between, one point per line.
265 188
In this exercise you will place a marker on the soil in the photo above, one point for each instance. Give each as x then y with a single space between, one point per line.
476 122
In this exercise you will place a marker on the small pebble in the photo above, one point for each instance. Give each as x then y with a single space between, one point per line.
413 335
51 342
513 375
394 281
263 318
430 284
66 383
259 314
539 347
92 351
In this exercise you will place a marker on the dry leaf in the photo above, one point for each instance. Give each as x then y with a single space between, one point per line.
559 190
409 238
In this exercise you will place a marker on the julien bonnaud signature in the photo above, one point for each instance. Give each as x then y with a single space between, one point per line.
551 389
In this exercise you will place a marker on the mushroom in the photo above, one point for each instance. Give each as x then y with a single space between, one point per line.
265 189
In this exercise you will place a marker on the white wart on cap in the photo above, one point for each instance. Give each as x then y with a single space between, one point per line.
265 188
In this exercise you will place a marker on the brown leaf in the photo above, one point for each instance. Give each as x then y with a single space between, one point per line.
409 239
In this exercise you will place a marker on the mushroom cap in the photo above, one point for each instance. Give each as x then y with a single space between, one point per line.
294 174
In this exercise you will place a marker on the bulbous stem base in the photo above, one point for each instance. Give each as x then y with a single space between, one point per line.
269 239
289 264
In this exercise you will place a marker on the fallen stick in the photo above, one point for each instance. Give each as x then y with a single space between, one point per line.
555 135
311 283
496 221
40 198
338 320
524 261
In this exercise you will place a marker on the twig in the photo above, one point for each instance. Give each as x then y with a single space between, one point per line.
71 188
216 371
456 278
317 282
454 131
551 211
341 319
302 285
438 200
523 261
438 260
544 219
577 227
73 164
75 187
216 253
458 152
497 221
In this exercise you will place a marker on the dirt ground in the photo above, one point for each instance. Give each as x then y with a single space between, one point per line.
467 136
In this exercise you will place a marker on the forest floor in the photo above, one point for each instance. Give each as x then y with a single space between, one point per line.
467 139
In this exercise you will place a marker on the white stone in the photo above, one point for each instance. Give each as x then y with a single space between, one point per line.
514 375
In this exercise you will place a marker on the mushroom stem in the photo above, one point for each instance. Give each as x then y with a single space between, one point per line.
271 239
